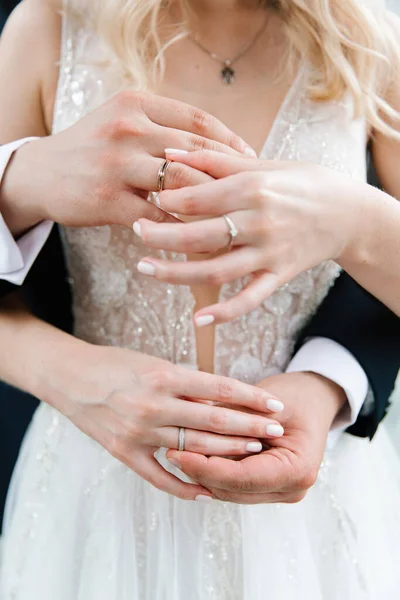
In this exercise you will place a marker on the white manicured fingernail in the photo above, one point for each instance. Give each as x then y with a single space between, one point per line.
175 151
275 430
204 499
250 152
137 229
254 447
204 320
146 268
275 405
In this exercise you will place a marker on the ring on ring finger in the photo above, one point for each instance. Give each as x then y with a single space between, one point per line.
161 175
207 443
233 232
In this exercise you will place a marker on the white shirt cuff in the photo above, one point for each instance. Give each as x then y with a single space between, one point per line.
17 257
333 361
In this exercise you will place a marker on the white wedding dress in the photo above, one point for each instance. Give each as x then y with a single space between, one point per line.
81 526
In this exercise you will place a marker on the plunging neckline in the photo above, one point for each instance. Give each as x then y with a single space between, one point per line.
283 108
266 150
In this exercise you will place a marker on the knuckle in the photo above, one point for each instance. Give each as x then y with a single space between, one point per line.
224 389
216 277
121 127
152 480
239 448
211 146
258 187
256 224
234 141
119 448
254 428
222 495
179 176
160 380
252 297
132 432
190 204
228 313
307 478
294 498
265 221
201 122
118 398
241 487
258 399
126 99
182 494
110 162
199 444
218 420
186 239
146 412
247 487
199 143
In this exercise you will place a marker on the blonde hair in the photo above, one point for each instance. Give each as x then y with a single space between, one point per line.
351 45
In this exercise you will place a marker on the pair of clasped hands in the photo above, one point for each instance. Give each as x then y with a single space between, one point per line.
99 172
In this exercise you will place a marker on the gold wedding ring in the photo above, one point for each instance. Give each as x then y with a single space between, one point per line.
161 175
232 230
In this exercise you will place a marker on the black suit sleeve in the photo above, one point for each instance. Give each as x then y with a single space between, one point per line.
371 332
6 288
46 291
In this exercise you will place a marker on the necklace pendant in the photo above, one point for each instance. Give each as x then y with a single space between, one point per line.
228 74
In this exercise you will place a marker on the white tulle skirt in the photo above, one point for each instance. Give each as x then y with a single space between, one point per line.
81 526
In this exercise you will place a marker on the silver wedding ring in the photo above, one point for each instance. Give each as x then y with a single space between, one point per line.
161 175
232 230
181 441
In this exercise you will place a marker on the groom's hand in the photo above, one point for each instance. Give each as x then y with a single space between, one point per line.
290 466
100 170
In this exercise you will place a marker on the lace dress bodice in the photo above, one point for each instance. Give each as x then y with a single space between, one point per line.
115 305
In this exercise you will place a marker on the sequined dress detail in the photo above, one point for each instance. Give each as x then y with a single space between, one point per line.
81 526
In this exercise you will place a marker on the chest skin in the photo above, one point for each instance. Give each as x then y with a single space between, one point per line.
248 107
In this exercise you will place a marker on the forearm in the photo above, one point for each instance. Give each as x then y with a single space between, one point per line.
373 256
17 179
35 355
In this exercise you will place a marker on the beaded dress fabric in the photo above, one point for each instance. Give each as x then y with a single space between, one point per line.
81 526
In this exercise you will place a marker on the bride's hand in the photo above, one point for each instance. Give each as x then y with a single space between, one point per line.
289 216
133 404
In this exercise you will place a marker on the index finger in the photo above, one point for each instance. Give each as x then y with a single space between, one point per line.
259 474
179 115
205 386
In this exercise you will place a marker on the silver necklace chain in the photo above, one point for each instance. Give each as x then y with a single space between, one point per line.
227 73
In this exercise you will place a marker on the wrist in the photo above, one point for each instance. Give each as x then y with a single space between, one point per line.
316 394
359 247
60 381
17 198
82 373
327 394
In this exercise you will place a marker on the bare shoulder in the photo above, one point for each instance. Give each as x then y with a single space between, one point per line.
385 149
32 14
29 55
